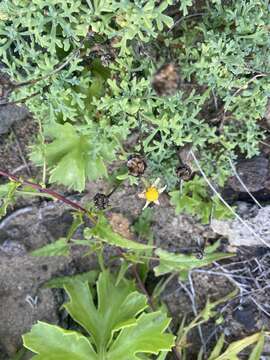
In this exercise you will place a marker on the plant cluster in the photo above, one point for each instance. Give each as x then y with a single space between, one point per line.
90 66
125 82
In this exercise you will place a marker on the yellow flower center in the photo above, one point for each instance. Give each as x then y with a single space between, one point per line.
152 194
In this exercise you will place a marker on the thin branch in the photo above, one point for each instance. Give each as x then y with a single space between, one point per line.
243 87
19 101
58 68
142 287
258 237
193 299
21 152
185 18
243 184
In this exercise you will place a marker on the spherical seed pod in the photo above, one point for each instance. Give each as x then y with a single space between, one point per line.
101 201
136 165
166 80
184 172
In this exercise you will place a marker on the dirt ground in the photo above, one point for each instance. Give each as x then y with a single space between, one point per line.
32 224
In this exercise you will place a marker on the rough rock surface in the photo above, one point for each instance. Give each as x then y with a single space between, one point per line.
254 173
23 301
255 233
170 231
9 115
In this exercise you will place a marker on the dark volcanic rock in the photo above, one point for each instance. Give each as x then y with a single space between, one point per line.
9 115
22 298
253 172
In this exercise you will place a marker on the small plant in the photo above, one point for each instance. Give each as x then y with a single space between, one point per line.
117 328
120 326
193 198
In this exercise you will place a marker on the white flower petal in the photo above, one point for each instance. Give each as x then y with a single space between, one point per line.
160 191
157 202
146 204
156 182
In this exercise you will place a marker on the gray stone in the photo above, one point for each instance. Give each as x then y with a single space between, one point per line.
9 115
256 232
23 301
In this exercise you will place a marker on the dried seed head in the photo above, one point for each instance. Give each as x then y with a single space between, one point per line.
101 201
136 165
166 80
199 254
184 172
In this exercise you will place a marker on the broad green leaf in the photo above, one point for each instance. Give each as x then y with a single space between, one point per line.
170 262
58 248
237 346
117 307
147 336
51 342
60 282
72 157
162 355
117 327
104 232
194 199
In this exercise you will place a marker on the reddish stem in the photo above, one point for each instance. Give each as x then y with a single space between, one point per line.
41 189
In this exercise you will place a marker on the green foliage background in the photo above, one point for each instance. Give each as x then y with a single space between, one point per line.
108 52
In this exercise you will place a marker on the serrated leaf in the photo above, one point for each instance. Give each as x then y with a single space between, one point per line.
60 282
72 157
104 232
51 342
117 307
195 200
7 196
147 336
170 262
58 248
117 326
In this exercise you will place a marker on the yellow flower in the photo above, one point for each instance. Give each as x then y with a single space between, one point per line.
151 194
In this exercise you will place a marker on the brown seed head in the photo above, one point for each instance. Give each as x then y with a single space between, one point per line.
136 165
184 172
101 201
